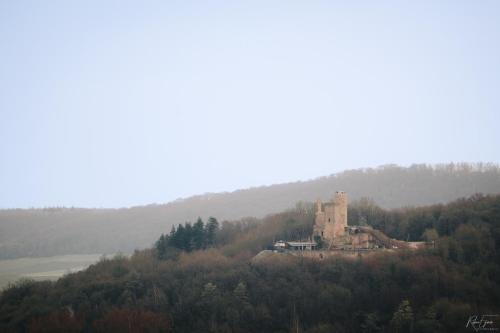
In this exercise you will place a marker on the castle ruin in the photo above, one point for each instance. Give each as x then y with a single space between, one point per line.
331 218
331 232
331 229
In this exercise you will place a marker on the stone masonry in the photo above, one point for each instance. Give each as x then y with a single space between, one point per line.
331 218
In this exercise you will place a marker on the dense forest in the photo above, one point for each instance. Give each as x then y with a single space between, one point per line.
203 277
56 231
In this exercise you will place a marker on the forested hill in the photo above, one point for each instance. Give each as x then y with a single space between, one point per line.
205 277
54 231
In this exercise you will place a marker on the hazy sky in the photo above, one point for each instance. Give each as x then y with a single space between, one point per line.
117 103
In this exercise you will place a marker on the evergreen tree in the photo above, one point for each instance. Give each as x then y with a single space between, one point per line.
161 246
211 231
177 239
199 235
188 237
172 231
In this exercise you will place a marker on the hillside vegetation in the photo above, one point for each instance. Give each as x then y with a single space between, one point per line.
212 285
57 231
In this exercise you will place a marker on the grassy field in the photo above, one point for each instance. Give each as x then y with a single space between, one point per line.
45 268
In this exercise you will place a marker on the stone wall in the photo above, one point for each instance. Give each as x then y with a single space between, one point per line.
331 218
350 254
340 213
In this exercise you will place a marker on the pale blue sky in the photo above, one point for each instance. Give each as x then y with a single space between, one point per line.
120 103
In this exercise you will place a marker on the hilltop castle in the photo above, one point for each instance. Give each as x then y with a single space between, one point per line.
331 218
331 232
330 228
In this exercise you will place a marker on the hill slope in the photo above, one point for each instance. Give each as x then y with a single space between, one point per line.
56 231
218 287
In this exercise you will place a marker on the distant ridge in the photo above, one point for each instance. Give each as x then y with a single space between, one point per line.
56 231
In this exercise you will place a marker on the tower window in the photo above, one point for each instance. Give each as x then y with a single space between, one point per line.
328 220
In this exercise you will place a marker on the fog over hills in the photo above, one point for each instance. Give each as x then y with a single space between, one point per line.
55 231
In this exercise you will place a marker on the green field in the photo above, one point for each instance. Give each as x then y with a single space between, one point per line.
45 268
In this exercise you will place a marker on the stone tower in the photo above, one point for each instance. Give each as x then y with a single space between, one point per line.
331 218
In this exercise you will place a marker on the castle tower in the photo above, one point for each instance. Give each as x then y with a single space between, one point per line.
319 222
331 217
340 213
319 206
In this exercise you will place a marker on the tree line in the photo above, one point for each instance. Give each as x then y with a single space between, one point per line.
59 231
221 287
188 237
